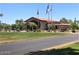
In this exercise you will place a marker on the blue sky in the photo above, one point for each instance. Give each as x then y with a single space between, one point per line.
12 11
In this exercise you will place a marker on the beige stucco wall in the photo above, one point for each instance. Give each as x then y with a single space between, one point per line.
42 25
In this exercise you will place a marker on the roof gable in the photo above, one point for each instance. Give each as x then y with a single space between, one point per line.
40 19
47 20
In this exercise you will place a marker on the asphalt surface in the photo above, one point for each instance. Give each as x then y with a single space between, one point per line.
26 46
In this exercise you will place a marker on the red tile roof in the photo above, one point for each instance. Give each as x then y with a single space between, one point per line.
45 20
48 21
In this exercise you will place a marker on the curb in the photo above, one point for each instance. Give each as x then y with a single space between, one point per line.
7 41
60 46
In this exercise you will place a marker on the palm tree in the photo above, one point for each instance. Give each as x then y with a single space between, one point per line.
19 21
1 27
13 27
33 25
20 25
24 26
7 27
64 20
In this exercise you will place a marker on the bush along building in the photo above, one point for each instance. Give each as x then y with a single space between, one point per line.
45 24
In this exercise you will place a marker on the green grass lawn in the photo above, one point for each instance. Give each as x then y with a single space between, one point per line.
4 36
72 49
75 47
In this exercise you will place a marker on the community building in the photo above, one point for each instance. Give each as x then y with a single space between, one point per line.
42 23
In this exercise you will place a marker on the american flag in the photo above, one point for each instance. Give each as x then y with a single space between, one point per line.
47 9
37 11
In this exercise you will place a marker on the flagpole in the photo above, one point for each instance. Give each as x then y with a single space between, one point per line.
37 13
48 14
38 17
51 12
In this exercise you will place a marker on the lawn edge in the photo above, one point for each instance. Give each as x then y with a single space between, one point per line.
60 46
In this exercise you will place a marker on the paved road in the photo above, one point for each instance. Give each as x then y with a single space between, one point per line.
22 47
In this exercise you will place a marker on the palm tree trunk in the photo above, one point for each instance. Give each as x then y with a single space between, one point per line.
32 29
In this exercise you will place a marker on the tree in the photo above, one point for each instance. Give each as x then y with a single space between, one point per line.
74 26
33 26
19 21
1 27
25 26
52 27
7 27
1 16
49 27
0 22
64 20
20 25
13 27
